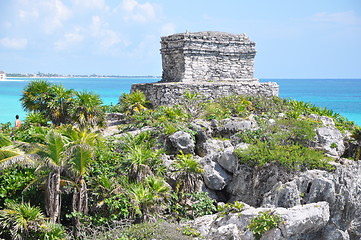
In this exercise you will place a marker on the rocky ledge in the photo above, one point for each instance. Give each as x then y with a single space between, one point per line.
313 204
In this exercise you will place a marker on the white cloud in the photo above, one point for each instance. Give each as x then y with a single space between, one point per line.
91 4
70 39
107 38
14 43
168 29
57 13
348 18
139 12
28 15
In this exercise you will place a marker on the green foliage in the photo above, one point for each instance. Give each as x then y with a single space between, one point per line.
131 103
146 199
283 132
293 131
229 106
4 140
86 110
30 134
52 231
235 207
263 222
191 205
293 157
188 171
112 108
202 204
119 207
61 105
36 119
356 135
189 231
193 104
143 231
6 128
23 221
13 180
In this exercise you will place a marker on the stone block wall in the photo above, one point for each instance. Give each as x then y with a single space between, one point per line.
207 57
171 93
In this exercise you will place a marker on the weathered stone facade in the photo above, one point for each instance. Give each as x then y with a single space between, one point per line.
170 93
207 57
213 64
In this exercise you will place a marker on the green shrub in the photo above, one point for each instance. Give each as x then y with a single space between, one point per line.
235 207
294 157
263 222
13 181
6 128
143 231
189 231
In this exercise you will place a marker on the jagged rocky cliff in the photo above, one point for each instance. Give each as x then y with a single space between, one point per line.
314 204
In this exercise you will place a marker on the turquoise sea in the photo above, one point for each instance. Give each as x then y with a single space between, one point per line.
340 95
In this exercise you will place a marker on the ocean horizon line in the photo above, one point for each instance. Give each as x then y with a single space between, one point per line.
151 76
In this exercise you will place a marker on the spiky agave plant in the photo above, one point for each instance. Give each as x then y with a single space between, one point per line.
21 219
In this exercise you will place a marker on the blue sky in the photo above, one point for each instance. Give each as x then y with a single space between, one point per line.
294 38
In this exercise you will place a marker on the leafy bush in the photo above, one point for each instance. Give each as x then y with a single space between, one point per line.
143 231
293 157
263 222
235 207
131 103
282 132
13 181
30 134
6 128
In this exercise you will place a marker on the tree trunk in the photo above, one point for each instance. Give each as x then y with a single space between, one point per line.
52 196
80 203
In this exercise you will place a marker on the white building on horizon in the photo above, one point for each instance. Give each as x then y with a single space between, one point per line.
2 75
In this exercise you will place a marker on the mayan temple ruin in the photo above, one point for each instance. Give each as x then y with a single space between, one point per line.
213 64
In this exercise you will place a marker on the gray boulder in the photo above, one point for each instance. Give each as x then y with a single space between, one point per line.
300 222
182 141
228 159
332 233
214 146
230 126
215 177
326 121
272 186
330 140
303 219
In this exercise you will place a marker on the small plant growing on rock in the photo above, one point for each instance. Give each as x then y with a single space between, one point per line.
189 231
263 222
235 207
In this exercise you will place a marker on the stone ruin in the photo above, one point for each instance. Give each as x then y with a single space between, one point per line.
213 64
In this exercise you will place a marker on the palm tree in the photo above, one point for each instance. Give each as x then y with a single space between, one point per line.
142 161
51 100
59 104
133 102
54 156
86 110
21 219
81 152
36 96
189 171
10 155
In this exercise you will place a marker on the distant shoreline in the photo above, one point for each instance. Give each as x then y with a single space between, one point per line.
83 77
